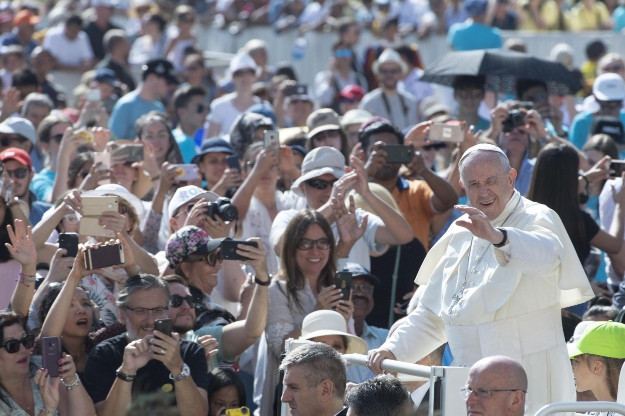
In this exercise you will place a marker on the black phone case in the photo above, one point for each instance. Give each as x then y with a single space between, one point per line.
343 281
69 241
398 153
104 256
229 249
233 162
51 354
164 326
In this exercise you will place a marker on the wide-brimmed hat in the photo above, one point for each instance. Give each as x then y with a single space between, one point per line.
188 193
389 56
355 116
327 322
187 241
320 161
605 339
212 145
120 191
242 61
323 119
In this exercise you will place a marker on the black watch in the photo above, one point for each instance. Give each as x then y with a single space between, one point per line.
504 240
261 283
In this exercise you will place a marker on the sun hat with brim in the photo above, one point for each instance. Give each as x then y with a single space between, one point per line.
606 339
19 125
188 241
324 119
320 161
326 322
389 56
355 116
188 193
242 61
213 145
120 191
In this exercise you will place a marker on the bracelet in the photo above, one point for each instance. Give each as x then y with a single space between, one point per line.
70 387
262 283
126 377
26 282
49 412
505 238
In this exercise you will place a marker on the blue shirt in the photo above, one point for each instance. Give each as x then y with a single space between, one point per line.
524 177
42 184
374 337
37 209
126 112
186 145
580 128
469 35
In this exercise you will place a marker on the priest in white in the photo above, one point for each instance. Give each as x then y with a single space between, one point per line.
495 283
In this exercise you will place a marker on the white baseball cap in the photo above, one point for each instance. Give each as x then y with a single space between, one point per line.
188 193
19 125
320 161
609 87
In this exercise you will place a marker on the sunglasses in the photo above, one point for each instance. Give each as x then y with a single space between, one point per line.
319 183
242 72
193 68
57 138
176 301
10 141
364 288
393 71
211 258
307 244
343 53
13 345
19 173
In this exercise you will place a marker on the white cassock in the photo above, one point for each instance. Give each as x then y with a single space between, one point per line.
486 301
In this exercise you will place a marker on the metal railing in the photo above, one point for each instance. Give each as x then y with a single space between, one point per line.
581 407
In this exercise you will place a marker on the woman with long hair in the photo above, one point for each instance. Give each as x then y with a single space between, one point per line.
555 183
225 391
304 283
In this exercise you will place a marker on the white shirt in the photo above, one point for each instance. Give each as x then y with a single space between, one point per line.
68 52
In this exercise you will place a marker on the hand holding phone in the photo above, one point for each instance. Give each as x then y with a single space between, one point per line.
343 281
398 153
69 242
164 325
616 169
51 354
104 255
271 138
229 249
189 172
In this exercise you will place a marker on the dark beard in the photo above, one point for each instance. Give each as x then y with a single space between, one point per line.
387 172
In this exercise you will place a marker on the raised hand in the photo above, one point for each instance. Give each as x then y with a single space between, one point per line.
346 221
478 223
328 298
22 246
49 392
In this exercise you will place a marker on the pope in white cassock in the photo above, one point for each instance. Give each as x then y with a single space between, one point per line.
496 282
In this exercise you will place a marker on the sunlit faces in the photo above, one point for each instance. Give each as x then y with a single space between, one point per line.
224 398
488 186
499 402
389 75
312 261
36 113
317 197
183 316
201 274
195 112
389 170
124 174
585 378
80 316
141 310
515 142
362 297
157 134
302 399
21 176
212 165
14 363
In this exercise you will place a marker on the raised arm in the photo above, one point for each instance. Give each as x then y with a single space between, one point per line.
22 249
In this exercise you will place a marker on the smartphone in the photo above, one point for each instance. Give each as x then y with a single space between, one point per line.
233 162
91 226
187 172
617 167
297 89
229 249
93 94
343 281
239 411
398 153
442 132
104 256
128 153
51 354
164 326
69 241
271 138
94 206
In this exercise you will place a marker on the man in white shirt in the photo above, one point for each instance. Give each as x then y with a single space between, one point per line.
69 45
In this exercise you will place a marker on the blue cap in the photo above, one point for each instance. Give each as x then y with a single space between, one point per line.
213 145
299 149
360 271
106 75
475 7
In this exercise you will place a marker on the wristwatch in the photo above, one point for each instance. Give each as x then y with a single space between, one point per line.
126 377
186 372
504 240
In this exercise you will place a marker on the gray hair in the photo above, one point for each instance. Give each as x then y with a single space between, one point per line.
379 396
320 362
140 282
36 98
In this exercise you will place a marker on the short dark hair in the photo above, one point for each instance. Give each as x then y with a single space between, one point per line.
377 127
462 82
320 362
24 77
112 38
73 19
595 50
379 396
139 282
183 95
524 84
225 377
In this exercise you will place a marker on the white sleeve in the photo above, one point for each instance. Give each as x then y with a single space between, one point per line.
606 202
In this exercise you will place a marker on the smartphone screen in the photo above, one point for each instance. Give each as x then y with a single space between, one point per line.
398 153
617 167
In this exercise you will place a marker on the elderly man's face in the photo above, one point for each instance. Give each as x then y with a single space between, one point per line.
362 296
495 403
487 184
303 399
141 310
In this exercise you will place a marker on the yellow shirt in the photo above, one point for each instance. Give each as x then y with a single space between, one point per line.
580 18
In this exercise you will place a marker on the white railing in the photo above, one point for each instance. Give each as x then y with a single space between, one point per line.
581 407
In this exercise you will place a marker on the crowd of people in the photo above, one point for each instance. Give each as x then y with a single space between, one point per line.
164 232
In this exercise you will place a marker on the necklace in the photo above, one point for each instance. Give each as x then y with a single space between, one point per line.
457 297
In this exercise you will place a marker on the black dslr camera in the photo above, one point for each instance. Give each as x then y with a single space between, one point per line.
223 209
516 116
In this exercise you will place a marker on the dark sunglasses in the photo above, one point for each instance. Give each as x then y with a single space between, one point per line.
176 301
19 173
211 258
319 183
13 345
307 243
8 141
242 72
57 138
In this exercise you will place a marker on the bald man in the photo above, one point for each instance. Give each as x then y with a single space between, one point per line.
496 387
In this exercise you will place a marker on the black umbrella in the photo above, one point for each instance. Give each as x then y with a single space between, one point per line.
502 69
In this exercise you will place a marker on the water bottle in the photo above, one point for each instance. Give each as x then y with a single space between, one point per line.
299 48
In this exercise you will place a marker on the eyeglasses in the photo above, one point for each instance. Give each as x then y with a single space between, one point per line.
465 95
242 72
176 301
158 311
200 108
19 173
614 68
307 244
11 141
56 137
343 53
211 258
193 68
319 183
483 393
389 71
13 345
364 288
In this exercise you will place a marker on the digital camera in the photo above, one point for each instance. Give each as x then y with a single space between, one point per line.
223 209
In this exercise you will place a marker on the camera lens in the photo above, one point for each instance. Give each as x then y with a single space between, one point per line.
228 212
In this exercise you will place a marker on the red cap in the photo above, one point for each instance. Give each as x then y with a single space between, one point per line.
26 17
352 92
18 155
